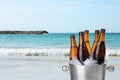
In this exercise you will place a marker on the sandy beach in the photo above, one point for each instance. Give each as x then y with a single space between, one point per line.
44 68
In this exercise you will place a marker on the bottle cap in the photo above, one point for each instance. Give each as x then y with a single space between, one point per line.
72 36
96 31
80 33
102 30
86 31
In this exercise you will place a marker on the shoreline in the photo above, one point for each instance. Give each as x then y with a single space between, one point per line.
60 52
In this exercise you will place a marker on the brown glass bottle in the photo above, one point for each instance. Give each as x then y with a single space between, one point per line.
86 38
73 47
100 49
94 45
83 53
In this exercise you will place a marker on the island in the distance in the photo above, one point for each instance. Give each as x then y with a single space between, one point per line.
24 32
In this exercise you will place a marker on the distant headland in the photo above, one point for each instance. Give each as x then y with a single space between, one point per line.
24 32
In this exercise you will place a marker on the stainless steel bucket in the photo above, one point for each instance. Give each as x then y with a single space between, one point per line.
87 72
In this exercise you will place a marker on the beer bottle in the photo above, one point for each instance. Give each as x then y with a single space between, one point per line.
73 47
96 39
100 49
83 53
86 38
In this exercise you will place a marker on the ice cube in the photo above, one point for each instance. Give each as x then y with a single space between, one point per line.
75 61
89 62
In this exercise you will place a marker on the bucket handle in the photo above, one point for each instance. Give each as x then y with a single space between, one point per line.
65 68
110 68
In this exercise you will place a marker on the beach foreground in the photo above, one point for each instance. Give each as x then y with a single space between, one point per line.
44 68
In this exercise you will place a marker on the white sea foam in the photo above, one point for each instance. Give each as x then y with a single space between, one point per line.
113 52
46 52
33 52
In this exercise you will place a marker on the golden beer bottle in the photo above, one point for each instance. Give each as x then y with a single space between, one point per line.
100 49
83 53
94 45
86 38
73 47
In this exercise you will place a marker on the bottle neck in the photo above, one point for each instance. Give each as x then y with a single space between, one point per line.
73 42
81 39
86 37
102 37
96 38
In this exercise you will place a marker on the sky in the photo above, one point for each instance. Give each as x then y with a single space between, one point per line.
60 16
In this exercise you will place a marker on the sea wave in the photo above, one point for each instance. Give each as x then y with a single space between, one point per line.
34 52
46 52
113 52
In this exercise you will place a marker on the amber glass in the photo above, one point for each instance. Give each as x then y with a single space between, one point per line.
100 49
73 47
96 39
86 38
83 53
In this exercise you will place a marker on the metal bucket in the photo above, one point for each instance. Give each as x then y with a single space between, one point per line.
87 72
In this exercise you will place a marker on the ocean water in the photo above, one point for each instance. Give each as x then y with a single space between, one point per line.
52 44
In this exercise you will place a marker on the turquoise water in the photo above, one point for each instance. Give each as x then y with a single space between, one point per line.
50 40
34 41
56 42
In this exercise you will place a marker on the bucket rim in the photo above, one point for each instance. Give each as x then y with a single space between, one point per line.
87 65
